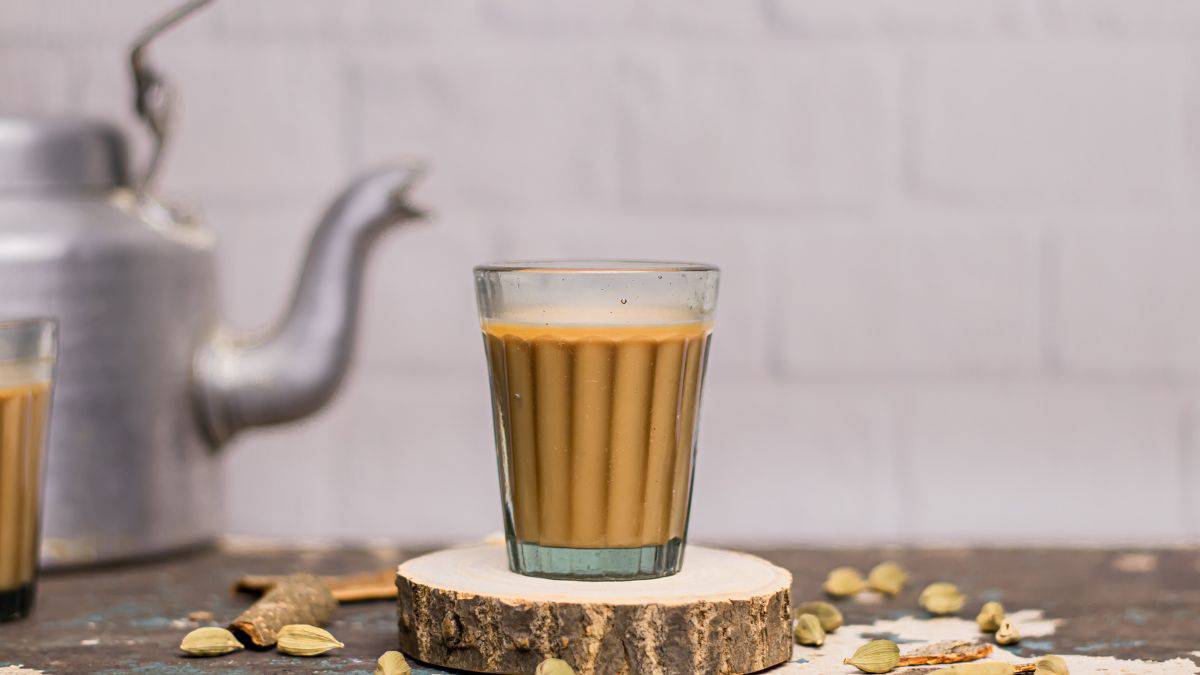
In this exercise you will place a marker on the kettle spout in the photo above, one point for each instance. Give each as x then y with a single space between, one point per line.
296 367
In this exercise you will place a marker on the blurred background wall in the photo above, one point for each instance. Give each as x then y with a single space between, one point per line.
960 302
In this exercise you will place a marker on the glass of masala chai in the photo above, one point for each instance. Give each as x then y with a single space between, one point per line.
27 355
596 369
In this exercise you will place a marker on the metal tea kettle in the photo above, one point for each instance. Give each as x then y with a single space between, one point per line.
149 383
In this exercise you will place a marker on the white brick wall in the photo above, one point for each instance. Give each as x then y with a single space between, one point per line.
508 125
829 452
834 19
1015 125
1128 297
959 239
767 128
1086 461
279 111
33 80
944 299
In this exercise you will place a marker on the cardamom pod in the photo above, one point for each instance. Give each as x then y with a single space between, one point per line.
877 656
939 588
844 581
988 668
209 641
554 667
887 577
1051 665
990 617
392 663
827 614
1007 634
941 605
808 631
941 598
300 639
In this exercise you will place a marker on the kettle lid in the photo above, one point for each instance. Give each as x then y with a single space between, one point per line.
43 154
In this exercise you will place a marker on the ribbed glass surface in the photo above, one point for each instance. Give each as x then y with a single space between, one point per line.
595 418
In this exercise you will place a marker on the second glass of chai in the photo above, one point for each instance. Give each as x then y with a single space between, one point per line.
596 369
27 355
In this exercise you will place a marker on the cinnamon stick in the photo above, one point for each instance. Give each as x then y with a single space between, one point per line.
297 598
378 585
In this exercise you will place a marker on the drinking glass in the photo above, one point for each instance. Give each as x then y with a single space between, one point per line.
596 369
27 355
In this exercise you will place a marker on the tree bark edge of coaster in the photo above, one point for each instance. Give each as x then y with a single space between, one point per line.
725 612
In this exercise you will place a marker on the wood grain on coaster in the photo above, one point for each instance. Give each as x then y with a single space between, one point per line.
725 612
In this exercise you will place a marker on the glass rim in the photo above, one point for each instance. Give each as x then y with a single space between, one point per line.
593 265
28 339
25 322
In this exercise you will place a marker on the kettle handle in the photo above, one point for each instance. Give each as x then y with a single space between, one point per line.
154 99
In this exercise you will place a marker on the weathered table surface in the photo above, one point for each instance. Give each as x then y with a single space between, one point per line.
130 618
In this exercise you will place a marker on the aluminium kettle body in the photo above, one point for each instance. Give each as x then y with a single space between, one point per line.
128 472
149 384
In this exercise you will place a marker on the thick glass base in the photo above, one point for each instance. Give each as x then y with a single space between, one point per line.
15 603
595 564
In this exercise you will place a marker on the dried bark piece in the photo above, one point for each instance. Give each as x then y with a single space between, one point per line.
948 651
377 585
298 598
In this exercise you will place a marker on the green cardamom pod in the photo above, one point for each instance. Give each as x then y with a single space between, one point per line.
942 598
988 668
877 656
844 581
392 663
942 605
554 667
887 577
827 614
1051 665
990 617
209 641
300 639
1007 634
939 588
808 631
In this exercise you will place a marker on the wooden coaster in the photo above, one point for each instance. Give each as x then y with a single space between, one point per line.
725 612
